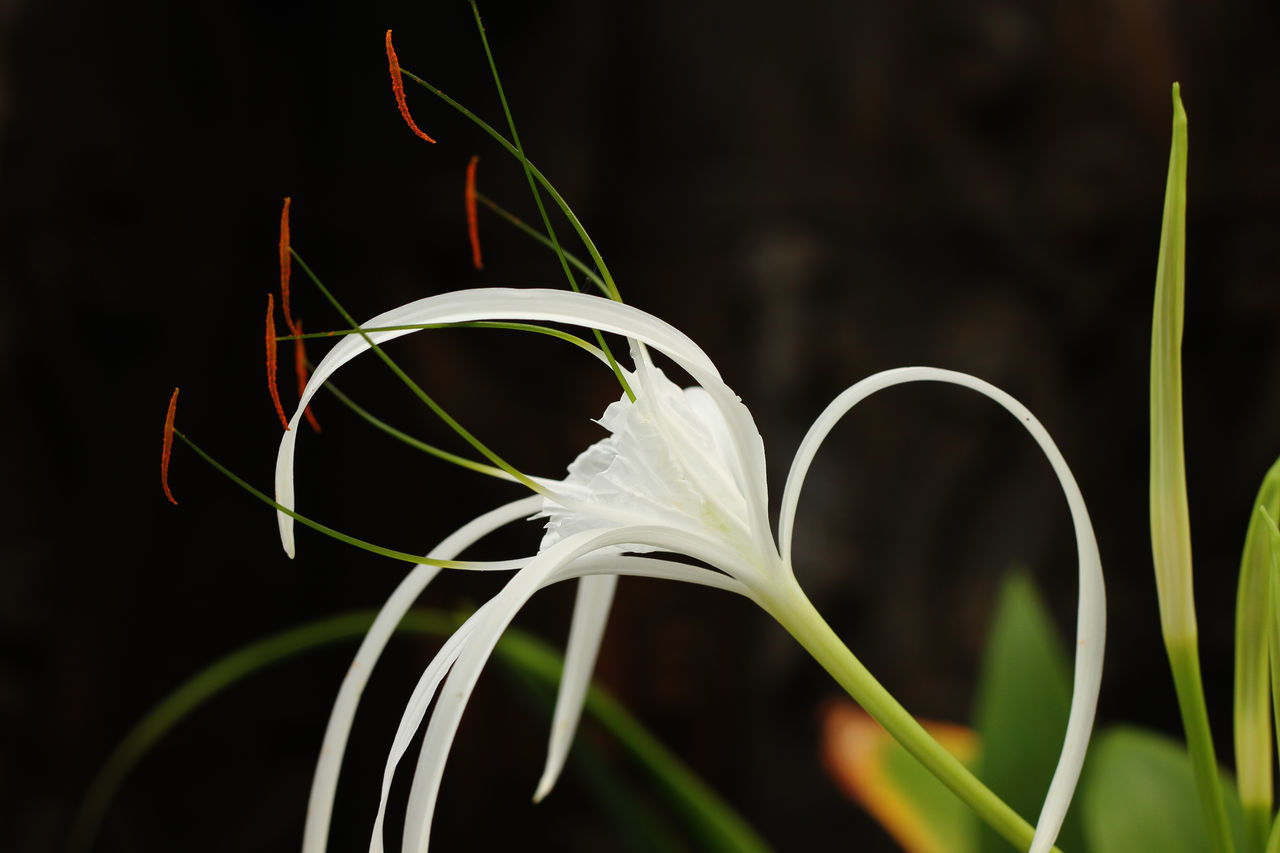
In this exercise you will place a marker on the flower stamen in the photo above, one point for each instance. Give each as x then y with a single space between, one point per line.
473 225
168 447
397 85
271 360
286 266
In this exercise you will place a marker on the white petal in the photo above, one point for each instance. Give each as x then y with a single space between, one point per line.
666 462
565 560
325 781
416 709
605 561
546 306
590 614
1091 614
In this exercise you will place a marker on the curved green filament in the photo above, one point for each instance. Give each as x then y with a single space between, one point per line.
524 161
537 176
416 443
573 259
417 390
317 526
537 196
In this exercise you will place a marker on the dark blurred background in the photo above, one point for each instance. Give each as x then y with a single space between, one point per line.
813 191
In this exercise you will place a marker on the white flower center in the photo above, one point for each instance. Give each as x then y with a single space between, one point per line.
668 461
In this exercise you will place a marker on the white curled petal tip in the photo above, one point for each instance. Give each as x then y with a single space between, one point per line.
1091 614
590 615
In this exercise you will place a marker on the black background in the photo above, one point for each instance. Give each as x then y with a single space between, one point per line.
813 191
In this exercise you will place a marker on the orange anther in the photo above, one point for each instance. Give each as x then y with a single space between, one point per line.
271 359
398 86
286 265
300 367
168 446
473 226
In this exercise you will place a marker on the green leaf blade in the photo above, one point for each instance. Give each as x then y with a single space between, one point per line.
1024 700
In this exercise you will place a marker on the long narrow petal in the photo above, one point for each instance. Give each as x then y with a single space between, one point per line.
546 306
590 614
1091 616
467 656
325 782
416 709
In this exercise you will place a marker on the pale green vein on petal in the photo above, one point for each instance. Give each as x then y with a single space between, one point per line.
1253 694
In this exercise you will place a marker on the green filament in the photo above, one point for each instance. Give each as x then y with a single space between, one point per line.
417 390
322 528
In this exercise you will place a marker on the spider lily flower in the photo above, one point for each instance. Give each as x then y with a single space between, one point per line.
682 471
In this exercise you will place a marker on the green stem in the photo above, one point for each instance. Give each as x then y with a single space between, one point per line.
797 614
1184 659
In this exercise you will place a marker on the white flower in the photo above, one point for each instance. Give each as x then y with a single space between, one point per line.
681 472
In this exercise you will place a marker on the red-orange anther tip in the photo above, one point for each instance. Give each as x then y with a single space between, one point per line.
473 225
397 85
271 360
300 368
286 264
168 447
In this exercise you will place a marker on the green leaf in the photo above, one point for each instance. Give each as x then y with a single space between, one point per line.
1139 793
1024 697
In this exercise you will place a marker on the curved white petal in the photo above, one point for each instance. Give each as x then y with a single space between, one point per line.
590 614
325 781
605 562
1091 614
469 649
546 306
416 709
